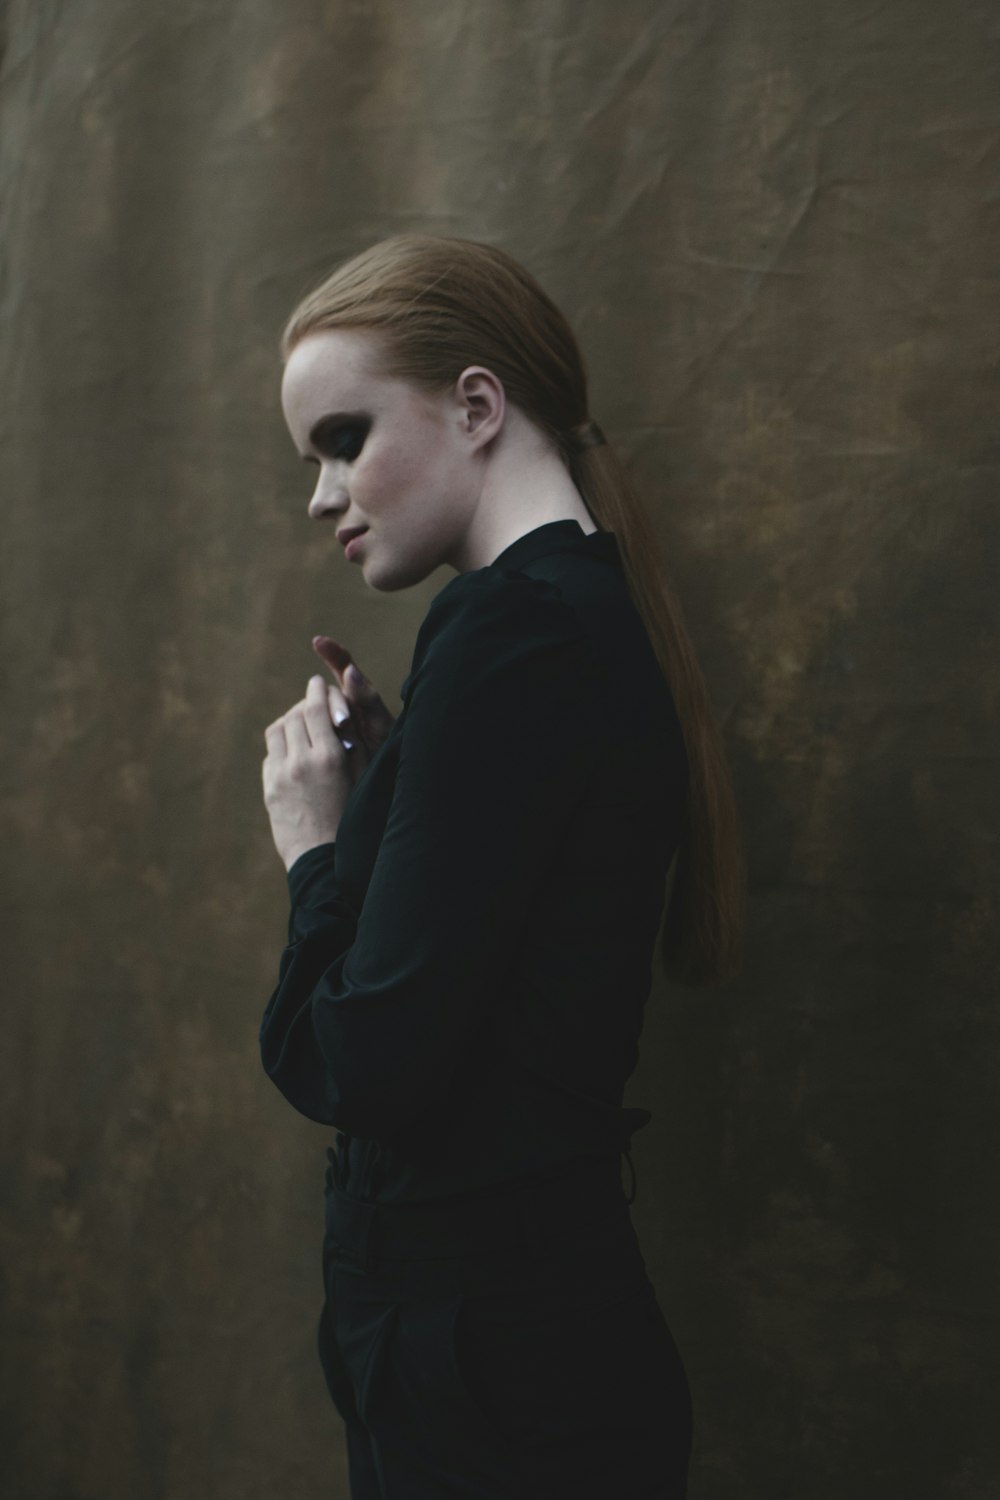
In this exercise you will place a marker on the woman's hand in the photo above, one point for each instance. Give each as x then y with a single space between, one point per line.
371 722
309 771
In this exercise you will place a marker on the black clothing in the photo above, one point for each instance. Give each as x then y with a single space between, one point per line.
505 1346
462 991
461 996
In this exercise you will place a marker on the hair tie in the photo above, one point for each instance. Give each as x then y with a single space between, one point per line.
587 435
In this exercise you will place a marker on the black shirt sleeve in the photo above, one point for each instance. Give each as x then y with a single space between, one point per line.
311 881
375 1009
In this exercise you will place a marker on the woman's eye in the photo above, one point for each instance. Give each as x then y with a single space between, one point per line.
348 441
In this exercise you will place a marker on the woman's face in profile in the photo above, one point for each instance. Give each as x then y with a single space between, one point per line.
390 456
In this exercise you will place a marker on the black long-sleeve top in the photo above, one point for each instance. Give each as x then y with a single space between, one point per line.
462 992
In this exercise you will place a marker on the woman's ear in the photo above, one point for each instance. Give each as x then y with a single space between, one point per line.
482 402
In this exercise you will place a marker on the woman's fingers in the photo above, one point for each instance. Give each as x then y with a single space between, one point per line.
274 734
336 656
295 732
341 662
369 718
316 714
340 712
367 704
341 716
309 725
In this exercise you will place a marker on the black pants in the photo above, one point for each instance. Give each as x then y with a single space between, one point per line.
506 1347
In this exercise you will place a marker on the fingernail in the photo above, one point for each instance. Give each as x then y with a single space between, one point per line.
356 676
341 716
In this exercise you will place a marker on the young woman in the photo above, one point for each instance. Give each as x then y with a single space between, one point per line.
477 889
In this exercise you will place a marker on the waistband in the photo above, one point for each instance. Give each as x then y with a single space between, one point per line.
508 1217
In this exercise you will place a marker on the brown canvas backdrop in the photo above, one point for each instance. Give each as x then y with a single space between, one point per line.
774 228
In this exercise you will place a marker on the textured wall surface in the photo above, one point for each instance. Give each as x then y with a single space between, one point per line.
775 228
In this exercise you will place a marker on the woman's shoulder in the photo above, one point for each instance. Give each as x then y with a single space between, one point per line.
489 613
499 595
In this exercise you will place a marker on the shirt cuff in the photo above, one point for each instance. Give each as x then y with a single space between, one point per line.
311 877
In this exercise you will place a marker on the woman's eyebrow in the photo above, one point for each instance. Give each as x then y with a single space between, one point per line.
330 419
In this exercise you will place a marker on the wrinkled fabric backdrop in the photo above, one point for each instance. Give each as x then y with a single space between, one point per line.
774 227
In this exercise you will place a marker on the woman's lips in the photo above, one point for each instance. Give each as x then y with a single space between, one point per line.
354 543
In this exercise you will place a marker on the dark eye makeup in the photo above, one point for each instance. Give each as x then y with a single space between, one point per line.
340 439
349 440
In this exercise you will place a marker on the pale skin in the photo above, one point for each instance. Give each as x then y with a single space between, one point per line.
435 478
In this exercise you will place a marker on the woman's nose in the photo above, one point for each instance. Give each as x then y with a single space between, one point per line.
327 497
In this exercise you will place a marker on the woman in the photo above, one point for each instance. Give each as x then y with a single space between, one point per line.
476 890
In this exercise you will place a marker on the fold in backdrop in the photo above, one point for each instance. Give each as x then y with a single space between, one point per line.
774 228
